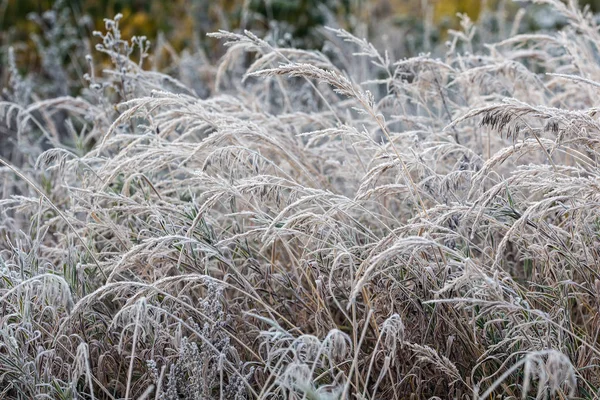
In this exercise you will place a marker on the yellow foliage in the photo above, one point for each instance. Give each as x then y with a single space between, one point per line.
442 9
449 8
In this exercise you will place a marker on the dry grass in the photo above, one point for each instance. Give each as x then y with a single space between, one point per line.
431 231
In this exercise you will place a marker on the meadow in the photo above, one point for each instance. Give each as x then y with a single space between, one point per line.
291 223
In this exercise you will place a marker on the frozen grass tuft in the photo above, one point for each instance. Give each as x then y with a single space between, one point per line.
311 229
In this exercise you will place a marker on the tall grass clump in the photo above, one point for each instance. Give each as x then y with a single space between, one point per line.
428 230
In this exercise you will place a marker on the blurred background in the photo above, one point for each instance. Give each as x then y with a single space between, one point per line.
47 34
185 21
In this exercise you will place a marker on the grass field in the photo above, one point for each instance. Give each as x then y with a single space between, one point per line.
301 224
